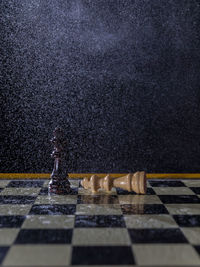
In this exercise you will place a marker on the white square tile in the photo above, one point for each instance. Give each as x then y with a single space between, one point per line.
192 183
150 221
4 183
15 191
173 191
192 234
148 184
49 221
14 209
8 236
56 199
185 209
95 209
74 182
46 183
139 199
38 255
97 236
166 254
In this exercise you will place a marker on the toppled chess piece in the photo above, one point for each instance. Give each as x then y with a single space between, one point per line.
132 182
59 183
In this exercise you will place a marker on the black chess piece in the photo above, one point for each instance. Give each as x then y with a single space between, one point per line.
59 183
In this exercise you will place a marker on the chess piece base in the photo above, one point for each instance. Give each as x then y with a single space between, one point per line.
58 186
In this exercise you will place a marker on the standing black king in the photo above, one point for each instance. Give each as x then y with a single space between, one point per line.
59 183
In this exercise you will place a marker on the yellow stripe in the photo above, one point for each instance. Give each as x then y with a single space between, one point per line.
81 175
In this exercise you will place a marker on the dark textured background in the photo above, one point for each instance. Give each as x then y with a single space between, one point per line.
120 76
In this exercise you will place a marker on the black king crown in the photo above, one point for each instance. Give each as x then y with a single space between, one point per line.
59 183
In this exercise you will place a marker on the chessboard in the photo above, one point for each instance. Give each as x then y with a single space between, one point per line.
161 228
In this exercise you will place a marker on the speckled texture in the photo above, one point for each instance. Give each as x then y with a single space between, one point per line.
135 230
121 77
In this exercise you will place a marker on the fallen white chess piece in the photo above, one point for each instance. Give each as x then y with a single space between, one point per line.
132 182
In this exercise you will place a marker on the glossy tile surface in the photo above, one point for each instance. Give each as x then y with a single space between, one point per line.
12 221
107 255
192 234
187 220
166 255
179 199
184 209
56 199
97 199
15 200
144 209
117 228
49 222
9 209
40 255
13 191
157 236
165 183
95 209
25 183
99 221
57 209
173 191
150 221
139 199
3 251
99 236
44 236
8 236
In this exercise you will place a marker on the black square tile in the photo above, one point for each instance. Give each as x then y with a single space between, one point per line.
179 199
44 191
17 199
157 236
99 221
102 255
129 209
3 252
11 221
56 209
187 220
150 191
27 183
44 236
74 191
120 191
1 189
165 183
97 199
196 190
197 249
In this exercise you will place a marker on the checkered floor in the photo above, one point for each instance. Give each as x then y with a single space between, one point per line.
119 228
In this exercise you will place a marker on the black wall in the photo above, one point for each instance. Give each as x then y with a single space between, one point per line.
120 76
